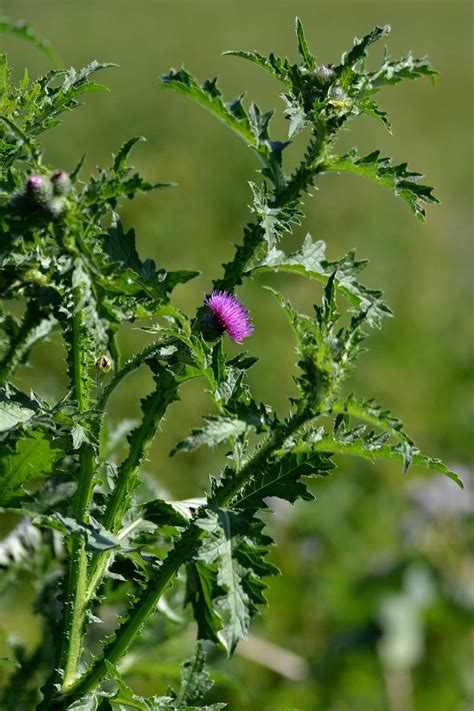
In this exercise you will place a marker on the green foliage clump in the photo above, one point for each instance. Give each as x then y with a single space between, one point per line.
70 269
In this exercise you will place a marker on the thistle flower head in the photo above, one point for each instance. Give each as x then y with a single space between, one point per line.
229 315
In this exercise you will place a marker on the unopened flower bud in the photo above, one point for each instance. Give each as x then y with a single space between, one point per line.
38 190
325 74
34 184
337 93
61 182
55 207
103 364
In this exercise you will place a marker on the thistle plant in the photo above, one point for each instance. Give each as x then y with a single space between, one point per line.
91 528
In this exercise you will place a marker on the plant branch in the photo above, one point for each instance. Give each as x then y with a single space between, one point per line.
181 552
70 648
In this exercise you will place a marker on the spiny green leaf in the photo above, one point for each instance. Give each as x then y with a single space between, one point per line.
16 407
120 160
277 67
171 513
55 99
120 246
326 353
371 446
398 178
195 681
315 355
358 51
6 661
89 702
201 590
297 116
303 48
103 191
281 477
97 538
370 108
21 29
218 429
79 436
394 71
311 261
32 457
237 546
209 96
274 220
136 278
224 529
125 698
259 122
369 411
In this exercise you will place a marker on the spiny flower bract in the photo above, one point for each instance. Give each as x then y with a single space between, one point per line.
231 315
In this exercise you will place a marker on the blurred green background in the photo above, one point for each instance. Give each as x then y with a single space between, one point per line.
375 604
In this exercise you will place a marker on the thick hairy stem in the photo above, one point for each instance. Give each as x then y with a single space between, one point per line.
119 500
71 637
181 552
127 474
74 608
118 503
307 170
77 574
284 194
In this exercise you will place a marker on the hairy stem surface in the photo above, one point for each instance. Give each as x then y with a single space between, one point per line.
72 624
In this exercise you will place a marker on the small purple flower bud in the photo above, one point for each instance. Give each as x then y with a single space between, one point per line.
226 314
61 182
33 184
38 191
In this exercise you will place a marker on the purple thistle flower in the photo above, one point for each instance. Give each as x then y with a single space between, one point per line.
230 315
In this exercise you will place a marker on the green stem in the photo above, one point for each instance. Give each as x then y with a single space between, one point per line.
142 438
127 475
154 408
74 611
182 551
74 606
77 573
